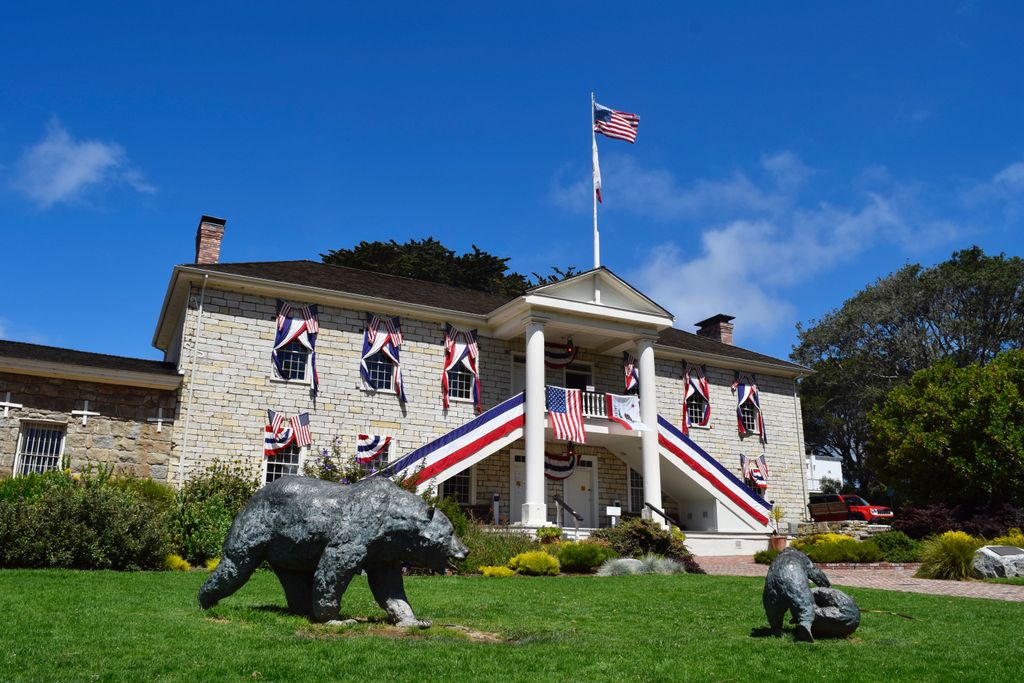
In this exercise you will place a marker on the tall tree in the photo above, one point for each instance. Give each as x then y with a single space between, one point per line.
430 260
967 310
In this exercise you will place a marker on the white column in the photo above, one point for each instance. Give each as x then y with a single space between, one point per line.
535 509
649 416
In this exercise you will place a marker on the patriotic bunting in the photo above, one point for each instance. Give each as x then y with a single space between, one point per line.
557 356
695 384
460 347
559 466
625 410
302 330
755 470
276 437
631 371
745 387
369 447
565 409
382 336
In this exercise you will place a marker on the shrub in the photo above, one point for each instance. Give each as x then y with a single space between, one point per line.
896 546
804 542
176 563
451 509
655 564
948 556
211 564
649 564
534 563
846 550
549 534
88 522
993 520
920 522
497 572
766 556
488 547
1013 537
638 537
207 504
582 556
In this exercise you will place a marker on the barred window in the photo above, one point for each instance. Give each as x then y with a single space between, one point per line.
381 370
636 491
294 358
284 464
458 488
695 409
749 415
460 382
40 447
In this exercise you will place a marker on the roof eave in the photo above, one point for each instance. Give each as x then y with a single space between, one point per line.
87 373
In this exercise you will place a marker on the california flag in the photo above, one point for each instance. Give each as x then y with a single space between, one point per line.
597 174
625 410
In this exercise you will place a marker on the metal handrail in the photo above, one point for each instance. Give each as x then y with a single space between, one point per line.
661 513
577 517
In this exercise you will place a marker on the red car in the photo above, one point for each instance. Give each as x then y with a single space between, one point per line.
834 507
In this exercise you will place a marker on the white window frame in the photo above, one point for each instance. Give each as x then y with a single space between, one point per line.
298 380
23 425
461 369
753 427
629 491
694 425
391 378
303 451
578 369
472 486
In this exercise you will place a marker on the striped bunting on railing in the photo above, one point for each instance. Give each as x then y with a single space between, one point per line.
429 461
675 443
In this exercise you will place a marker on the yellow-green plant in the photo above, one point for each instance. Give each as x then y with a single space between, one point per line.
534 563
497 572
212 563
805 542
176 563
1013 537
948 556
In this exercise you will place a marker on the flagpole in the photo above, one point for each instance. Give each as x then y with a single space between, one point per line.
597 236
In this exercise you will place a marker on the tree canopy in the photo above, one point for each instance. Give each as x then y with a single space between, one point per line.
965 310
428 259
953 434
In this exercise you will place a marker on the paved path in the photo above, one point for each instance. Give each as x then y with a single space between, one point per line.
885 579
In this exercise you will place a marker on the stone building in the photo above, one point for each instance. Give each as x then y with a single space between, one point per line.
495 451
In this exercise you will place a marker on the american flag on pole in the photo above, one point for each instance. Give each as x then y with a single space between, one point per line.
300 425
565 408
615 124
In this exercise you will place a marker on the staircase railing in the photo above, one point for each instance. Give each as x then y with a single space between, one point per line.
661 513
577 517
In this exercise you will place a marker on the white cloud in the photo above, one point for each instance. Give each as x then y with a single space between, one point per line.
60 168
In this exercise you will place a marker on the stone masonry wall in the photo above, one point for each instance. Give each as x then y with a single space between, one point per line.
120 436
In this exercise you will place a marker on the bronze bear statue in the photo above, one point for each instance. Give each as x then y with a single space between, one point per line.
786 589
316 535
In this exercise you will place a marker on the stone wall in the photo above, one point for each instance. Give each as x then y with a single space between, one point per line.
120 435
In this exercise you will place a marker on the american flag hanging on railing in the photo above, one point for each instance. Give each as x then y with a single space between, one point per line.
565 411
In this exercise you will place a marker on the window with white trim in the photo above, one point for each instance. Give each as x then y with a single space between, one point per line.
579 376
636 491
294 360
458 487
380 461
695 408
460 382
382 371
749 416
286 463
40 447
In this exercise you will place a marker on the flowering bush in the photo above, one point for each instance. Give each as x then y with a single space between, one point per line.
534 563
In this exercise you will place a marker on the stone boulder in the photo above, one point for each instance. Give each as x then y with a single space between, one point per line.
836 615
998 562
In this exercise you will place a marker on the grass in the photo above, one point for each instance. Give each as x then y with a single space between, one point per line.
1014 580
108 626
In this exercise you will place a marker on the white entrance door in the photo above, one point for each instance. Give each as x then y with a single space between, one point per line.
517 487
578 492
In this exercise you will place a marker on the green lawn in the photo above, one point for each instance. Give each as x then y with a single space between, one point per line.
107 626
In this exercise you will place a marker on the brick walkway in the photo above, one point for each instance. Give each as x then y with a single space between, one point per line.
884 579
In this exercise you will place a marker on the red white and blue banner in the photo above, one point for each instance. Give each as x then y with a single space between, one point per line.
492 428
460 348
559 466
557 356
565 413
631 371
276 437
676 445
302 330
695 384
755 470
745 387
624 410
369 447
383 335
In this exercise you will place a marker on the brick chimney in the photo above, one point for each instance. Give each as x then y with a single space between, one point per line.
717 327
208 238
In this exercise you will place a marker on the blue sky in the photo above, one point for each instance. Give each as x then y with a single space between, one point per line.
788 153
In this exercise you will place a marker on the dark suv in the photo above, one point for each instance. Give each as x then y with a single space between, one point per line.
834 507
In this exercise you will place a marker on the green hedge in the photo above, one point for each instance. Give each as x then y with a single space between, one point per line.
582 556
206 506
492 548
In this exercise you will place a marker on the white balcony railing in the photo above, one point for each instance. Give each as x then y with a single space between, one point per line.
593 404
